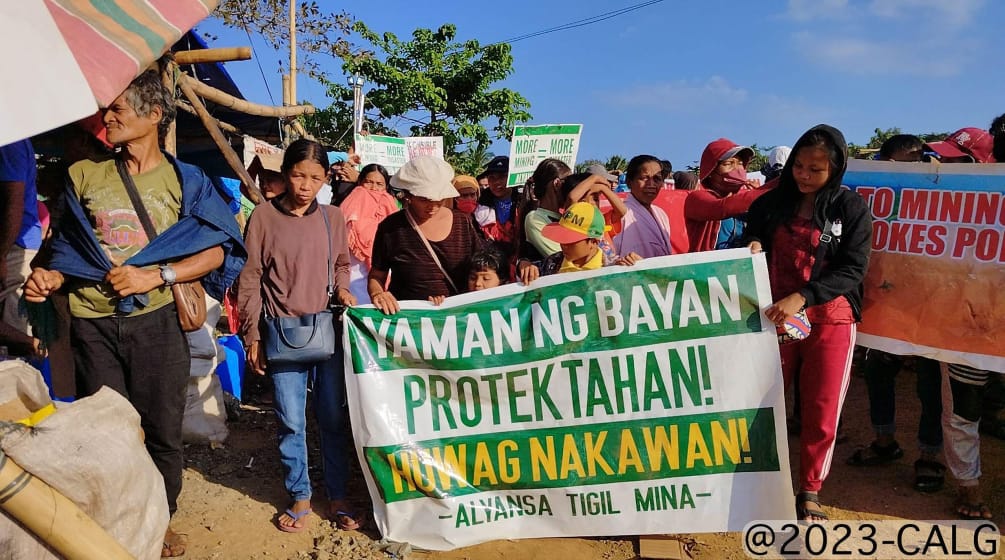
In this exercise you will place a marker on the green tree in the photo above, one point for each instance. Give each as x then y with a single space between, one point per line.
443 86
472 160
616 163
760 158
321 35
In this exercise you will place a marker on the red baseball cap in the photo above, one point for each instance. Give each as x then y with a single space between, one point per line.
721 149
966 142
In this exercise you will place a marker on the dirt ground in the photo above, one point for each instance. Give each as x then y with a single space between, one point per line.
231 497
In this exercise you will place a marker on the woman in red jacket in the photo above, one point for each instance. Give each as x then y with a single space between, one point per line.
715 210
817 237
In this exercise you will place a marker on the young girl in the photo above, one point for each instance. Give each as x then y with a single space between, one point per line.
288 277
817 236
488 268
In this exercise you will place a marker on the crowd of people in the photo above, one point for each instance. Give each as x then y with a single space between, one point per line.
426 233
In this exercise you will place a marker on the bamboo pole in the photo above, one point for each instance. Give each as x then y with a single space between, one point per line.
202 56
168 69
214 131
286 90
225 126
53 517
293 52
241 105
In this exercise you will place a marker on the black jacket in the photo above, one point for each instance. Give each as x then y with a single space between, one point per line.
846 257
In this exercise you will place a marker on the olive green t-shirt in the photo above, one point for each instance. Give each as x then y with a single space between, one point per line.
118 229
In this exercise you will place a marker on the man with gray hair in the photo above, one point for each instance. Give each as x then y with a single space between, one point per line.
125 328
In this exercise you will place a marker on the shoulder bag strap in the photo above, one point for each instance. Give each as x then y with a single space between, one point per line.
134 197
825 239
429 248
328 235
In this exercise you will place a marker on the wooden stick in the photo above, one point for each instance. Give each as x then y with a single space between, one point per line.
227 100
56 520
167 78
214 131
223 125
202 56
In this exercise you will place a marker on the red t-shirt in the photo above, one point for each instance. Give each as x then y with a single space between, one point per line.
790 262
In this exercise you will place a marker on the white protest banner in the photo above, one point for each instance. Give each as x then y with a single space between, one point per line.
254 147
621 401
389 151
532 144
938 260
424 146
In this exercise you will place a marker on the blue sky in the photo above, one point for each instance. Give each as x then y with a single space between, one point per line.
669 78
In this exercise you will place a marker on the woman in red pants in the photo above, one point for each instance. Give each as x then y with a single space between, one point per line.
817 237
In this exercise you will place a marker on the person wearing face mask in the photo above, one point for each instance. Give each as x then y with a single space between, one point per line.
715 210
467 194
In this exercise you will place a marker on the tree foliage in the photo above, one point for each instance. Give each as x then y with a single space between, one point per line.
615 162
321 35
441 86
881 135
472 160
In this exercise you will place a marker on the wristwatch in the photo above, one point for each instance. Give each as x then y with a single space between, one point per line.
168 275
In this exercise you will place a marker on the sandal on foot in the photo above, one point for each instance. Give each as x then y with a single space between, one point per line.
804 509
347 521
929 476
973 512
174 545
874 455
296 519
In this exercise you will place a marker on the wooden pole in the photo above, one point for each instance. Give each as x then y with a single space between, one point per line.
202 56
214 131
168 68
241 105
227 127
293 52
53 517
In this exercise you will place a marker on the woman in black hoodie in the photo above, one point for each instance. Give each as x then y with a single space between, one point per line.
817 237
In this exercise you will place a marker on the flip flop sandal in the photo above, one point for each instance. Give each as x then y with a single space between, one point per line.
875 455
929 476
353 523
296 517
804 510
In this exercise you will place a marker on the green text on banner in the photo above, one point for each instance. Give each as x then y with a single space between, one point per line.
621 401
388 151
532 144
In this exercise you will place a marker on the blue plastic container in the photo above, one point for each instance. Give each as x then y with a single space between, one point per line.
231 372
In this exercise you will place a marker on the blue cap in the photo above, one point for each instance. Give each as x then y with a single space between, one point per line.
337 157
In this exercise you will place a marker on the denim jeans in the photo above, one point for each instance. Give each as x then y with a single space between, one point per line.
328 386
880 371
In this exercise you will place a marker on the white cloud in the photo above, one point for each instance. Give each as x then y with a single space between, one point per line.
933 57
805 10
679 95
949 13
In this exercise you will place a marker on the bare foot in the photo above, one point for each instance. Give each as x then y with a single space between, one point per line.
971 505
174 544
